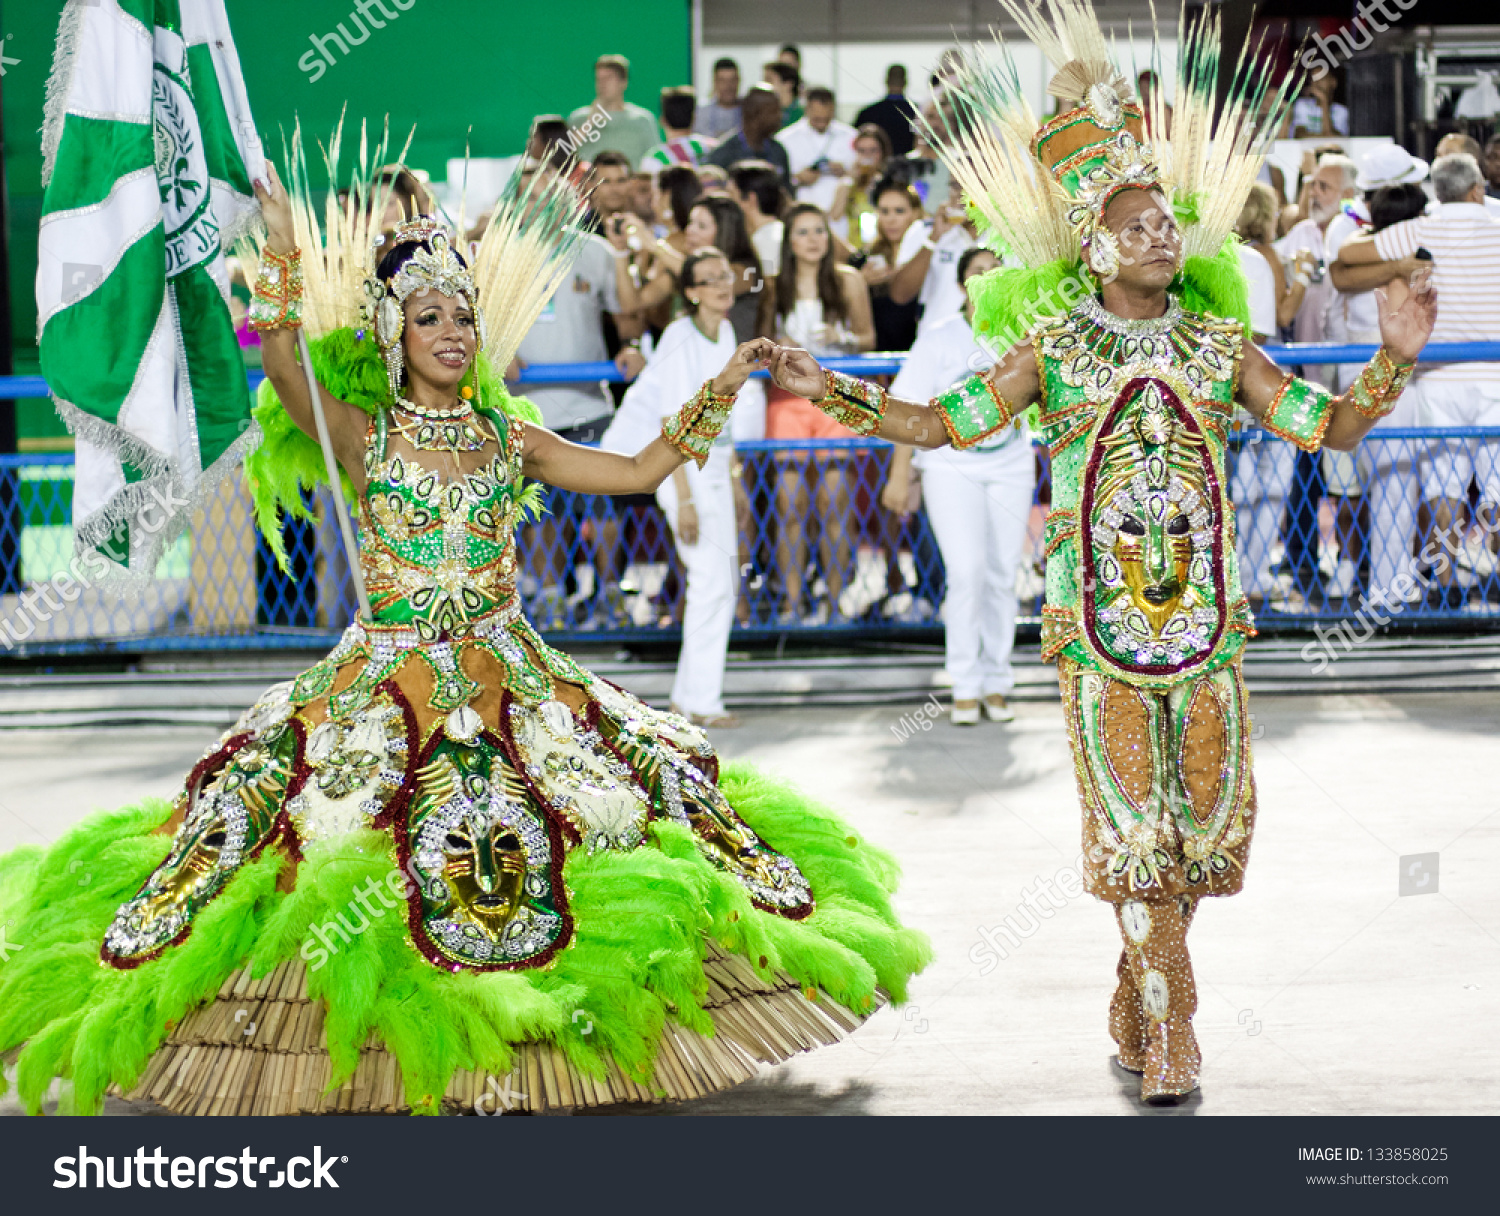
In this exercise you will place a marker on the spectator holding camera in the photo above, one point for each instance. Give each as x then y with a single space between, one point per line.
930 274
819 149
900 233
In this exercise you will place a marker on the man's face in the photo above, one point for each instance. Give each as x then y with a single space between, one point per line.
610 189
609 85
727 86
1149 239
1326 192
819 115
1491 162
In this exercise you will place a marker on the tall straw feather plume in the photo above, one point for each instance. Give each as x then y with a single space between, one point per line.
1215 153
526 252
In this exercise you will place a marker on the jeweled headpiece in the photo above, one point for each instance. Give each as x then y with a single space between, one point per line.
434 266
1094 151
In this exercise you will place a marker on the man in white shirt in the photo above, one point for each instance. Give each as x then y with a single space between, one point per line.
570 329
1464 241
819 149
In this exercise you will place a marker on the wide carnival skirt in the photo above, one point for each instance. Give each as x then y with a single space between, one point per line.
413 880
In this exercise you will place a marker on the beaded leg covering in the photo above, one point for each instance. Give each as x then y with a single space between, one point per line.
1155 937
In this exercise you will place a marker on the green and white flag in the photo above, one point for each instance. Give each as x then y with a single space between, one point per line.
148 156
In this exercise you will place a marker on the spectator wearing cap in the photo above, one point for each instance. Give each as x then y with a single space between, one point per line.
894 113
760 115
681 147
1464 240
1353 317
819 150
721 116
612 124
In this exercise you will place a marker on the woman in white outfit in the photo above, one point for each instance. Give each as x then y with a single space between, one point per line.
979 502
699 503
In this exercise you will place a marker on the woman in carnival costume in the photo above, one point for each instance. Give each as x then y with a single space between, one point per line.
446 863
1125 314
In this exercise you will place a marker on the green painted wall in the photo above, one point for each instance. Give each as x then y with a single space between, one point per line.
461 71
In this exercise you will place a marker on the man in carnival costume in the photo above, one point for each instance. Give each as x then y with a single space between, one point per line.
1124 280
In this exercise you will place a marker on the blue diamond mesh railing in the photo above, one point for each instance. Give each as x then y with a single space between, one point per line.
1321 540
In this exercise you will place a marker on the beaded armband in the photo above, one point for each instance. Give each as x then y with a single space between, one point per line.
1380 383
972 412
276 294
1299 413
693 429
851 402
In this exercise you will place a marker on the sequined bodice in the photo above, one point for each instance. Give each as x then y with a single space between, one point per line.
439 552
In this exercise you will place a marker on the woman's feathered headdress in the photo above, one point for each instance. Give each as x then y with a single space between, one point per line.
526 250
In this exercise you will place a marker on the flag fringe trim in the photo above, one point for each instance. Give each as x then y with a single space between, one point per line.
95 531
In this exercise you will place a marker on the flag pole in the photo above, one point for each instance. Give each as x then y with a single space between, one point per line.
335 483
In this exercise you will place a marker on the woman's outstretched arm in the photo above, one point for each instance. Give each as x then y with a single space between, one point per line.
688 434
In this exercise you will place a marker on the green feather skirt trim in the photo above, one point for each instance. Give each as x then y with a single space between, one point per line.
643 920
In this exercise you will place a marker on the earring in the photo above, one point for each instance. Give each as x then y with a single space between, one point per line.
1104 255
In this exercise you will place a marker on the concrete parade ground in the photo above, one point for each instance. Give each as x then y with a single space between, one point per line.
1323 989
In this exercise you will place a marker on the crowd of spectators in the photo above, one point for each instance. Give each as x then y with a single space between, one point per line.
757 210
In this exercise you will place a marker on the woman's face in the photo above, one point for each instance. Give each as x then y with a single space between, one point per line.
809 238
867 151
980 263
701 230
440 338
712 288
894 214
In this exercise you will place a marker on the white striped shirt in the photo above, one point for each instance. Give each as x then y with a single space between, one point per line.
1464 240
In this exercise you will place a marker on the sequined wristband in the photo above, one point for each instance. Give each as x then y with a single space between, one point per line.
276 295
972 412
851 402
1380 383
693 429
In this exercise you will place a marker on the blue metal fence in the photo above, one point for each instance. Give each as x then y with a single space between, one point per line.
1317 540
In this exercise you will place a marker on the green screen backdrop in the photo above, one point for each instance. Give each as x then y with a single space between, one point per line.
463 72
